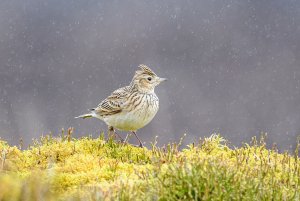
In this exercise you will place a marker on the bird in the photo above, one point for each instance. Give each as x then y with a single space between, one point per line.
131 107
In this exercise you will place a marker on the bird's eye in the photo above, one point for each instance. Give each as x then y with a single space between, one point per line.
149 78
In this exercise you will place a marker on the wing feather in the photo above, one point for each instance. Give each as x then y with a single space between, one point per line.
113 104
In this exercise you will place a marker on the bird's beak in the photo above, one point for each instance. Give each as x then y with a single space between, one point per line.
162 79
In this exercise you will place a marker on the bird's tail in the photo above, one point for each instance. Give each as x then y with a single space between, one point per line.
84 116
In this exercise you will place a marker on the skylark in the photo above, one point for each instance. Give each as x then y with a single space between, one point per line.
132 107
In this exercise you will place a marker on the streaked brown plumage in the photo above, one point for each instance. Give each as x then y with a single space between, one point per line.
132 107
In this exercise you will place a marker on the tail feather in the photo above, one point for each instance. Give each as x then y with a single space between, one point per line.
84 116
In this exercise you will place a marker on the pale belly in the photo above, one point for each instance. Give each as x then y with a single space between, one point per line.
131 121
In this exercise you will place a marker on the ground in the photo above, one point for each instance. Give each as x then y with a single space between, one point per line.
101 169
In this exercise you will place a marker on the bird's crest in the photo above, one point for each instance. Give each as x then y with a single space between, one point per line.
145 70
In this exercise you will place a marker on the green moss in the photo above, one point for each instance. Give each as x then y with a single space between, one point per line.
99 169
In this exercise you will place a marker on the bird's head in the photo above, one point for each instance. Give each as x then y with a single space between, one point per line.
145 80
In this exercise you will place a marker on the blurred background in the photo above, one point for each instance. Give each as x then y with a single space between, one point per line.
233 66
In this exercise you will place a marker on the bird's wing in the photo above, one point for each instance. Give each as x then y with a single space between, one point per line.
113 104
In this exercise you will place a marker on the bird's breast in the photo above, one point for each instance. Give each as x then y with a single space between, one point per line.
138 113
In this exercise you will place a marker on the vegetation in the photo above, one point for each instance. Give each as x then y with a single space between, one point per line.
98 169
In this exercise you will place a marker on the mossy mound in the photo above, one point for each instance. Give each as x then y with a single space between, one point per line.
99 169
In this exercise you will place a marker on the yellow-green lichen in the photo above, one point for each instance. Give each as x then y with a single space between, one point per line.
99 169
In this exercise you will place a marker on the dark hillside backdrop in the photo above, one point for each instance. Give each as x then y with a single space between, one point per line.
233 66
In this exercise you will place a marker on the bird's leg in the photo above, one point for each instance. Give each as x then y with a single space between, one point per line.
127 138
122 140
112 130
141 144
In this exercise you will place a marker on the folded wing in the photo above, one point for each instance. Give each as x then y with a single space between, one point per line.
114 103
